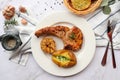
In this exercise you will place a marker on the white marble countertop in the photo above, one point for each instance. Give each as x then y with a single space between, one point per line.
32 71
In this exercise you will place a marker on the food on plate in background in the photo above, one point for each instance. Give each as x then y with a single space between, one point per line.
48 45
9 12
64 58
59 31
80 4
24 22
72 37
22 9
82 7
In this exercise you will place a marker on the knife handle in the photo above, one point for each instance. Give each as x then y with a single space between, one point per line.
113 56
105 56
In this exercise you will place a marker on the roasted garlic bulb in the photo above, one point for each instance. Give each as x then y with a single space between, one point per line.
48 45
9 12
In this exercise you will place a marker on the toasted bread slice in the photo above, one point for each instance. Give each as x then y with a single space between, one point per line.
93 6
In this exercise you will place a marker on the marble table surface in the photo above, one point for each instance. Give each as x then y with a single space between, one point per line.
32 71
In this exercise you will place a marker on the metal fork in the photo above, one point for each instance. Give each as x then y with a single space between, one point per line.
110 30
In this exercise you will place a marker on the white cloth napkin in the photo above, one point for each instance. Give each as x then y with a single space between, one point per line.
24 35
98 22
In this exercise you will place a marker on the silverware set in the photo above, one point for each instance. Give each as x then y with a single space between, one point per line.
110 30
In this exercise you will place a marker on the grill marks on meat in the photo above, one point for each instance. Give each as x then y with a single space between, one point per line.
72 37
76 43
59 31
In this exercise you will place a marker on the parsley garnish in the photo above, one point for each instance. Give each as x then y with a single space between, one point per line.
106 6
72 36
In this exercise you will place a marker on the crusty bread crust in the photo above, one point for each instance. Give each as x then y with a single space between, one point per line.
92 7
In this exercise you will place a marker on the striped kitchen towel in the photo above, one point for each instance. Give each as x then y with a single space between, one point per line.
98 21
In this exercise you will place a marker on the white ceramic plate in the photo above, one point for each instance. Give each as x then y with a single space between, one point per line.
84 55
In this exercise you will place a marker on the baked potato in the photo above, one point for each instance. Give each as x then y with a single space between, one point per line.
64 58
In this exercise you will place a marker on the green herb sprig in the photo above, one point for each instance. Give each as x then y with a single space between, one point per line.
11 22
72 36
62 58
106 6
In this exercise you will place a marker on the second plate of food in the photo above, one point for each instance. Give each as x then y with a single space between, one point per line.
83 53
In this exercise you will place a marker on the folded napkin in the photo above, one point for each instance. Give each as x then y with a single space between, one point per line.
23 55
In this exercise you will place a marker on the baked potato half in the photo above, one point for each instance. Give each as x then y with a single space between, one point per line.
64 58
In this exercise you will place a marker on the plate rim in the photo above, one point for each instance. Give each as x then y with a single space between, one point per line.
74 16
